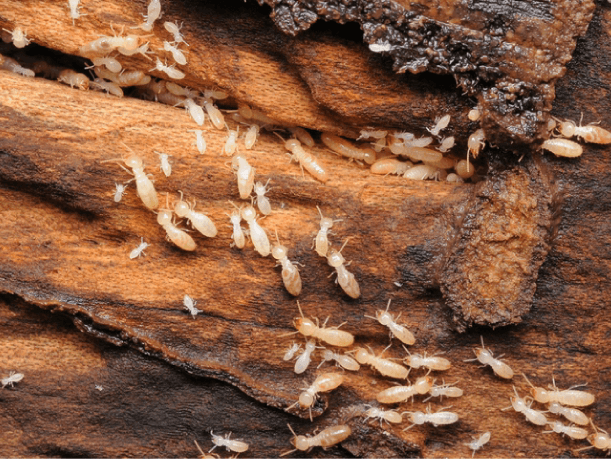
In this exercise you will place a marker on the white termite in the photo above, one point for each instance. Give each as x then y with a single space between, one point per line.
385 367
563 147
250 138
343 360
105 44
290 353
345 278
347 149
332 336
485 357
302 135
153 13
215 115
303 362
443 163
422 154
454 178
572 414
164 165
445 390
326 438
11 379
139 250
231 144
262 202
189 304
177 54
478 442
99 388
72 78
18 37
74 10
290 273
590 133
200 142
446 144
422 142
245 175
398 331
120 189
10 64
325 382
139 50
236 446
519 405
109 62
174 29
306 160
383 415
420 172
433 363
474 114
196 111
364 134
107 86
178 90
198 220
257 233
440 125
322 241
564 397
387 166
476 142
576 433
168 70
239 240
398 394
178 236
439 418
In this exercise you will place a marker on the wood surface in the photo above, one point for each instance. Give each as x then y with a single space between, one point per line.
77 312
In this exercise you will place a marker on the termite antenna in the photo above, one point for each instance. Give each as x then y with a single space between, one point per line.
276 231
281 138
528 381
388 305
345 242
300 311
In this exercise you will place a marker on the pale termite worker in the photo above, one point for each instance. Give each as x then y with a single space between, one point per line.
342 360
383 415
345 278
347 149
176 235
519 405
168 70
139 250
138 50
572 414
433 363
439 418
440 125
303 136
18 37
257 233
144 187
236 446
215 115
306 160
564 397
198 220
177 54
332 336
398 331
322 240
387 166
231 144
420 172
10 64
74 10
104 45
365 134
164 165
119 191
189 304
474 114
107 86
326 438
398 394
445 390
454 178
563 147
478 442
250 138
323 383
174 29
446 144
576 433
422 154
303 362
590 133
476 142
239 240
485 357
290 273
153 13
109 62
178 90
11 379
196 111
262 202
215 94
422 142
245 174
290 353
385 367
443 163
72 78
200 142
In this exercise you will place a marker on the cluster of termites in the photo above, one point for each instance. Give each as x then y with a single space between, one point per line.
565 130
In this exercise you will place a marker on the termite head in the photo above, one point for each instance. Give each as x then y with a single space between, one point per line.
539 394
305 326
292 143
567 128
133 161
369 155
181 208
423 384
599 440
328 354
335 258
235 217
517 402
384 317
130 42
279 252
300 442
249 213
362 356
306 399
260 189
164 217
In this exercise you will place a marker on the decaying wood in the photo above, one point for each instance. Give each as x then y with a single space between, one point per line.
66 246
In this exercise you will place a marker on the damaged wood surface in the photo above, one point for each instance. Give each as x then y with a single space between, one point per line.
66 246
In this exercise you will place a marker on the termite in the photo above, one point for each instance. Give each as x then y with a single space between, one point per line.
139 50
231 445
485 357
10 64
290 273
74 10
383 415
432 363
178 90
519 405
238 233
443 163
250 138
198 220
11 379
440 125
164 165
576 433
347 149
328 437
478 442
72 78
422 142
303 136
257 233
439 418
422 154
176 235
215 115
398 394
175 30
454 178
386 166
170 99
364 134
332 336
398 331
563 147
109 62
168 70
290 353
420 172
262 202
18 37
474 114
476 142
322 240
445 390
200 142
245 175
564 397
231 144
138 250
572 414
343 360
189 304
106 86
153 13
323 383
306 160
345 278
599 440
196 111
590 133
446 144
303 362
385 367
104 45
119 191
144 186
177 54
